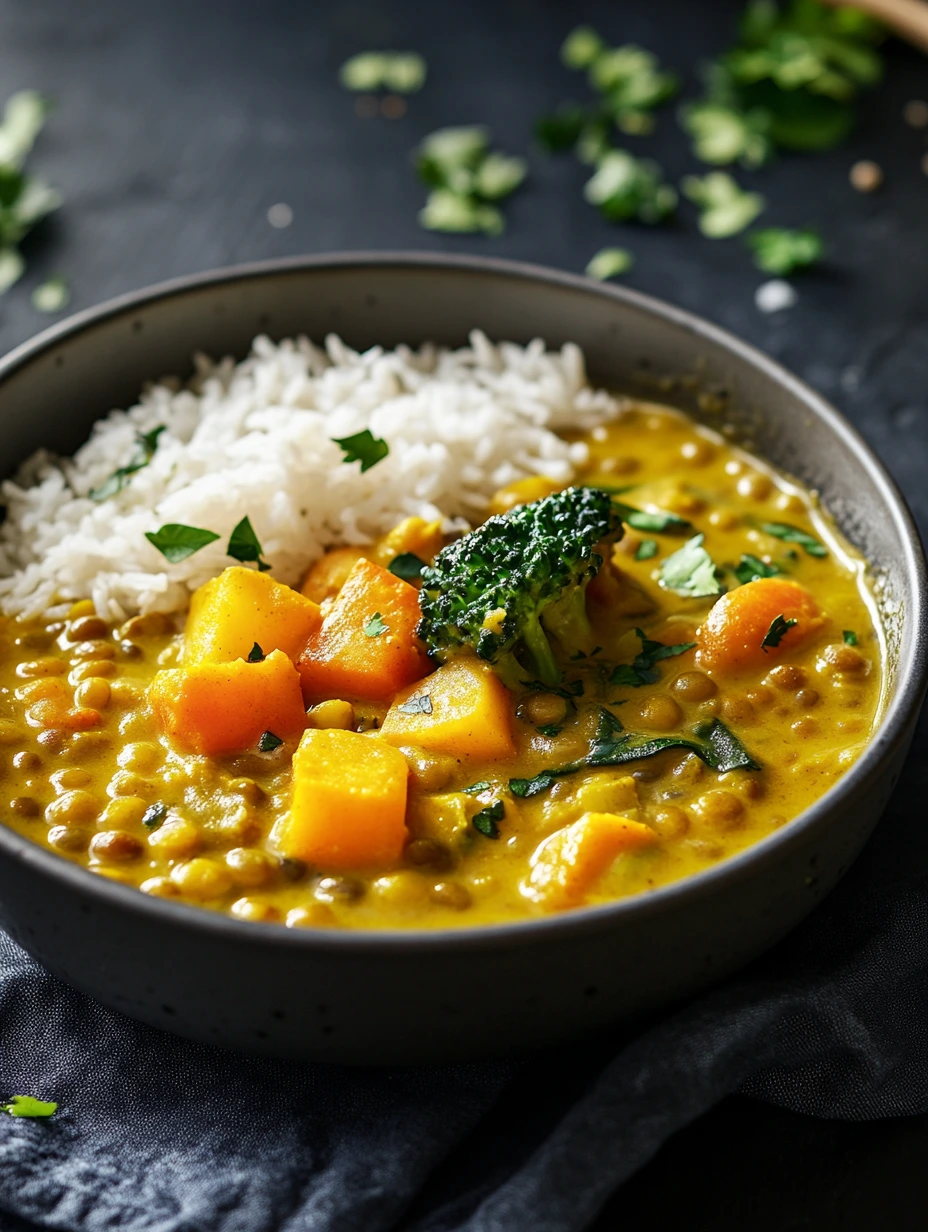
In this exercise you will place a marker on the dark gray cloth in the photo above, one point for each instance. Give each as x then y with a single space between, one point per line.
160 1134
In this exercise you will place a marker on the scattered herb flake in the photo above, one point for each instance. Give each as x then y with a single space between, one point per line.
363 447
269 742
725 208
29 1106
643 670
420 704
658 523
779 627
153 816
145 445
476 788
690 571
780 251
625 187
256 654
792 534
610 263
402 72
646 549
486 820
581 48
376 626
244 545
752 569
466 178
407 566
176 542
850 637
723 134
549 729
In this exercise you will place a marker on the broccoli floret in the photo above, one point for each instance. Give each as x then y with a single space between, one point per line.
503 588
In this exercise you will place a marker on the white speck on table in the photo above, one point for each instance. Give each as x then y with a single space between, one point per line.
775 295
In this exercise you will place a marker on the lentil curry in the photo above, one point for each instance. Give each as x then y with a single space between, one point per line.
687 660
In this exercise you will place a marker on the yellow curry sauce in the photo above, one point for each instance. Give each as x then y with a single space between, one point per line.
92 772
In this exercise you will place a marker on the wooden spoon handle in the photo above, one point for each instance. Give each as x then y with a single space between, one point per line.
908 18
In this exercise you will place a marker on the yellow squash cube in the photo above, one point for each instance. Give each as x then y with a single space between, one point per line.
240 607
566 866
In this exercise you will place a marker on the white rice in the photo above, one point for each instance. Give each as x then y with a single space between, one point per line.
255 438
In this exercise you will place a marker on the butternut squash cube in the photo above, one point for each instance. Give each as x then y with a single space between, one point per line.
366 647
463 709
329 573
231 612
349 801
566 866
216 708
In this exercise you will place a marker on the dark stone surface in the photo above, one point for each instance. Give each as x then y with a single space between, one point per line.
179 123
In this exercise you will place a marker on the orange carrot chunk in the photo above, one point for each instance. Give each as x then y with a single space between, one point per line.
463 709
733 634
216 708
566 866
349 801
367 646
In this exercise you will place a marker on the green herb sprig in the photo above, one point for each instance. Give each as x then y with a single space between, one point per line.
642 670
466 179
244 545
363 447
780 251
146 443
402 72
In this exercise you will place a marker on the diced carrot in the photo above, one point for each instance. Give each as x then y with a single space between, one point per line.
566 866
349 801
240 607
463 709
217 708
330 572
356 655
732 635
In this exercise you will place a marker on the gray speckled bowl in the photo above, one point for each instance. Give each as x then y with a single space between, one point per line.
387 997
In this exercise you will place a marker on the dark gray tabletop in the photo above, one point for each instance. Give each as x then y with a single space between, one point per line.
179 123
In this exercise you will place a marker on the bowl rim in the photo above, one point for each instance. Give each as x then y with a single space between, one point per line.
897 719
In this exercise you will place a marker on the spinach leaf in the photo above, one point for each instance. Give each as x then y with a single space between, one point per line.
642 670
752 569
485 821
792 534
659 523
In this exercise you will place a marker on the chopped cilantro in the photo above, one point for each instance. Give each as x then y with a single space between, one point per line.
29 1106
476 788
244 545
752 569
269 742
402 72
420 704
779 627
176 542
363 447
724 134
24 201
779 251
407 566
486 820
646 549
625 187
792 534
725 208
690 571
256 654
153 816
610 263
145 445
850 637
465 178
642 670
376 626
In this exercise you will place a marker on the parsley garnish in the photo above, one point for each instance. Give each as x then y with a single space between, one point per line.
401 72
722 134
476 788
145 445
485 821
244 545
850 637
658 523
642 670
690 571
269 742
29 1106
363 447
420 704
256 654
779 627
625 187
646 549
176 542
792 534
153 816
725 209
465 178
407 566
779 251
376 626
610 263
718 747
752 569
